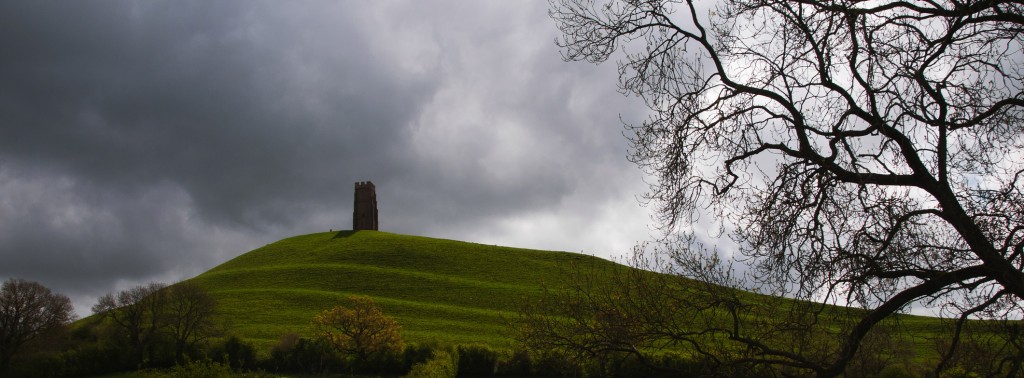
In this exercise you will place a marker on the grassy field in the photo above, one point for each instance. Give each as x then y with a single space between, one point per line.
439 290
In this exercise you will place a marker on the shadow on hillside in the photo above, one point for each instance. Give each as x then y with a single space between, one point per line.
344 234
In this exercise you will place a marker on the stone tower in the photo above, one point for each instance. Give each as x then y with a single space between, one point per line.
364 211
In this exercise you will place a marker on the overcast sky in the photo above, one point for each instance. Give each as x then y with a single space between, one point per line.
151 141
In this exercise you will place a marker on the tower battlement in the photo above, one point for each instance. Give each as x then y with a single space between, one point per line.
364 209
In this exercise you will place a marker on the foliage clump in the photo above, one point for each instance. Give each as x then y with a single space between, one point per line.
361 331
28 311
442 364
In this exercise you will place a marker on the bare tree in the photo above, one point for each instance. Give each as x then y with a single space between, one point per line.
28 309
190 311
139 312
606 315
857 153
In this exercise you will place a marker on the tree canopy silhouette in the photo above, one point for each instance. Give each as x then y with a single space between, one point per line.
868 154
28 309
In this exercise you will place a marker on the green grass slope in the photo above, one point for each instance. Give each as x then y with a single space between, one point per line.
444 291
439 290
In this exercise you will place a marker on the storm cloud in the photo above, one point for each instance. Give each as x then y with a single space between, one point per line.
150 141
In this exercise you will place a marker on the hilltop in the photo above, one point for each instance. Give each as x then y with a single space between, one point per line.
439 290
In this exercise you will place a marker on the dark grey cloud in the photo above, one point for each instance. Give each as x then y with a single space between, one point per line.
150 95
146 141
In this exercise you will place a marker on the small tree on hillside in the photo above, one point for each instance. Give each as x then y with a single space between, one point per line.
28 309
154 316
593 319
360 330
139 312
189 317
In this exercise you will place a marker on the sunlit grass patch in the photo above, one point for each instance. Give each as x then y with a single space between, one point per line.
441 291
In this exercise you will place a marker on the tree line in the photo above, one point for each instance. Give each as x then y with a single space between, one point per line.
159 330
149 325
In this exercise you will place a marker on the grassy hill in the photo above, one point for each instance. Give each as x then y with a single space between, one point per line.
443 291
439 290
451 292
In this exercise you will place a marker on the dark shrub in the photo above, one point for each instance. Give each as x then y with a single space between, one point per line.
282 354
236 353
294 354
514 364
417 353
476 361
387 363
556 365
92 359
